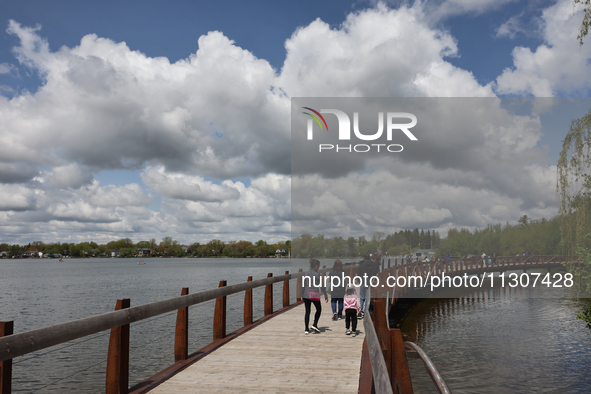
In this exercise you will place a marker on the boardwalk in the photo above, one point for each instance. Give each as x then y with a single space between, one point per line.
276 357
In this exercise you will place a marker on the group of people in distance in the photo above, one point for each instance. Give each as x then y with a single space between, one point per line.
492 259
343 297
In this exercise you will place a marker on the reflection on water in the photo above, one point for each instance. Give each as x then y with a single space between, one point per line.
502 340
38 293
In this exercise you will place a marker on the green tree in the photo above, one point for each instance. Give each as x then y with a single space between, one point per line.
584 29
351 246
143 244
215 247
524 220
574 188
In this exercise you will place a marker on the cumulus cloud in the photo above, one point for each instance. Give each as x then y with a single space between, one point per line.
360 204
476 162
70 175
17 172
130 195
186 187
16 198
261 208
375 53
558 66
105 106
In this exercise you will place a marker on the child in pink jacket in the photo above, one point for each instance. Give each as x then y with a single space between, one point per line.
352 307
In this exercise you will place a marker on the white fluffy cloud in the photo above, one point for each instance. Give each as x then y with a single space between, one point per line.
557 67
375 53
186 187
105 106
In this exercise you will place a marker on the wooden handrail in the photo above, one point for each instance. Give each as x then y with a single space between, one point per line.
16 345
381 379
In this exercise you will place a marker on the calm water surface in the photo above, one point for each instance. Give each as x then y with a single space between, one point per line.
502 341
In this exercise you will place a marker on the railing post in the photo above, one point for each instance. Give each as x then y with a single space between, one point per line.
366 384
299 287
286 291
248 305
400 375
269 296
6 328
381 327
117 380
219 317
181 336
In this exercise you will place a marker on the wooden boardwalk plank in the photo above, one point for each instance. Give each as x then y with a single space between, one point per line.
277 357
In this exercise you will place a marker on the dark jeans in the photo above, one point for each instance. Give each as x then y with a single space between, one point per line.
318 306
351 319
364 297
333 304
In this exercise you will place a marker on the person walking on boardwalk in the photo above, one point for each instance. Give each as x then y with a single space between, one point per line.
363 291
337 292
352 307
312 284
366 270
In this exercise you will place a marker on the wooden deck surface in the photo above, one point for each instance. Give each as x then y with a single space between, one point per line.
277 357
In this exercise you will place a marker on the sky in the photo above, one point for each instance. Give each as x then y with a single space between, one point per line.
151 119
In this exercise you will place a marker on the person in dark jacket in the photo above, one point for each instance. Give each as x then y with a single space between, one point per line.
311 295
337 292
366 270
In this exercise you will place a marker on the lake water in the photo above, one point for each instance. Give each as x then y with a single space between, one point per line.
521 340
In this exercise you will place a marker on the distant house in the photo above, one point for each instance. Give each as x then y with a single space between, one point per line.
281 252
3 254
143 252
113 252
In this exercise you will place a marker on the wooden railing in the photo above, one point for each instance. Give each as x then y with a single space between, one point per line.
117 371
384 364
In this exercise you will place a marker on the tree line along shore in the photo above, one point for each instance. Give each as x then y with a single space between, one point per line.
125 247
537 236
